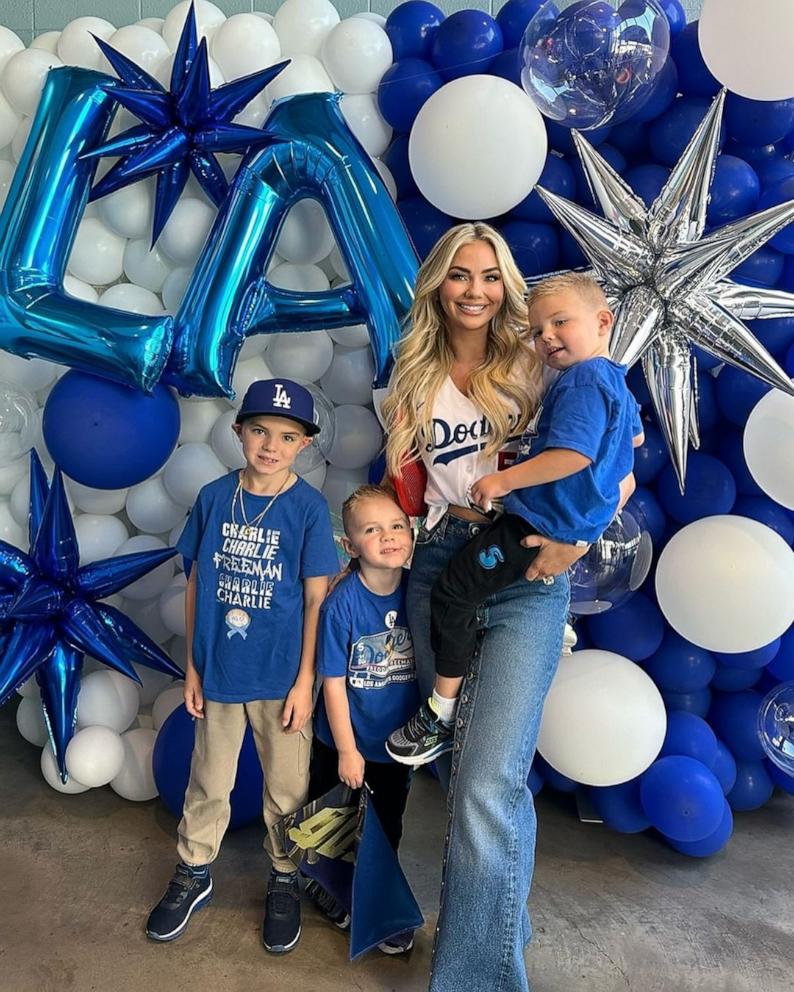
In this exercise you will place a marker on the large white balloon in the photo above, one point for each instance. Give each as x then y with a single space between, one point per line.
726 583
340 483
79 289
11 473
208 19
135 781
23 78
166 703
128 211
198 419
186 230
154 582
349 378
357 439
247 372
604 720
356 53
301 278
99 536
76 45
190 468
360 110
174 288
244 44
141 44
305 237
477 147
147 615
172 606
26 373
748 48
302 25
107 699
304 74
30 721
98 253
152 684
10 44
47 41
131 298
769 446
102 501
52 776
316 476
95 755
351 337
9 122
306 355
225 442
144 266
10 530
151 509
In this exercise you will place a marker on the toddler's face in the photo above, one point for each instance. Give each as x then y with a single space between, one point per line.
379 533
569 328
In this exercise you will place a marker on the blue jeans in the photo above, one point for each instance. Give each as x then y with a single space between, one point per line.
489 849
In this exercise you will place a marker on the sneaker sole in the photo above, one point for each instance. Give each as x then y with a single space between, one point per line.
283 948
387 949
417 760
198 904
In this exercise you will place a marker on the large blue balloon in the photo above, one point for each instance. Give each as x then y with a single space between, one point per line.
670 133
396 159
782 666
651 456
777 334
734 717
411 27
725 767
514 17
730 450
679 665
507 66
466 43
750 660
763 268
557 177
758 122
737 393
690 735
753 787
728 679
108 436
768 512
675 14
647 181
781 192
773 170
632 140
535 247
634 629
697 701
694 78
173 750
710 489
403 90
644 504
665 87
682 798
425 223
561 140
735 190
620 808
780 778
710 845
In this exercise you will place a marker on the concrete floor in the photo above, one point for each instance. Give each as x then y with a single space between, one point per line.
611 913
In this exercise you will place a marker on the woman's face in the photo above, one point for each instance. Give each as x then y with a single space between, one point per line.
472 293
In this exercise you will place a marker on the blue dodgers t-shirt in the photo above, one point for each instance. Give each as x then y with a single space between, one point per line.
365 637
588 409
248 624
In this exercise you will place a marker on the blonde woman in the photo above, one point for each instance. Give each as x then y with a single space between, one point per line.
465 385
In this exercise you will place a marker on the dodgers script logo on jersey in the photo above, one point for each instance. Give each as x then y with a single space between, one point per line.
453 441
377 660
247 566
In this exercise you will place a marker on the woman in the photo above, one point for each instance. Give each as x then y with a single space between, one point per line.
465 385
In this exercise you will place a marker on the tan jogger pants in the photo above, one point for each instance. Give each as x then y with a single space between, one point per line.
219 738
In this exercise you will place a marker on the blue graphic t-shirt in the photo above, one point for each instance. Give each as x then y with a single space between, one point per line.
249 588
365 637
588 409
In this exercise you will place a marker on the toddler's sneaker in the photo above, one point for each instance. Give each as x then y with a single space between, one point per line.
281 927
400 943
188 890
328 906
422 739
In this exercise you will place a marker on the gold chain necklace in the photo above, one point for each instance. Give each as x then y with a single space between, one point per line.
246 532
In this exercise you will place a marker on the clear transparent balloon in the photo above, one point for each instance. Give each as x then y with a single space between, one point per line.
776 726
17 422
614 567
587 63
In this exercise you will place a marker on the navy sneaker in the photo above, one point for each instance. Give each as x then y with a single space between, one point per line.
281 927
188 890
328 906
423 739
400 943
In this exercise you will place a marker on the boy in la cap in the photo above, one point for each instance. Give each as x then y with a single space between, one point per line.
261 549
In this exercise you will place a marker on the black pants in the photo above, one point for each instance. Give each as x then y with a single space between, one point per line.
388 781
492 560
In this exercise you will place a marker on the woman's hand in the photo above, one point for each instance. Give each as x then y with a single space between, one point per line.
487 489
553 558
351 769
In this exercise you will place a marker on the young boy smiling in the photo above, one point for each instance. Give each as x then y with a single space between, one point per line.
261 549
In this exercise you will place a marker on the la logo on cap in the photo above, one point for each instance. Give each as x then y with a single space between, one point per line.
282 398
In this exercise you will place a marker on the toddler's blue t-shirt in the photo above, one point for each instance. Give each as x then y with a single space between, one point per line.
365 637
248 626
588 409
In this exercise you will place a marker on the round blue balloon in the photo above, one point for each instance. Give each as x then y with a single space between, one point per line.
675 14
710 489
734 679
514 17
173 749
708 410
680 666
764 268
507 65
670 133
535 780
466 43
638 386
710 845
554 778
643 503
758 122
756 155
694 78
768 512
425 223
772 171
690 735
632 140
620 808
535 247
557 177
109 436
404 89
737 394
724 767
571 254
560 137
776 334
682 798
651 456
759 658
634 630
780 778
698 701
663 93
730 450
782 665
753 787
735 190
647 181
734 717
788 364
411 28
781 192
396 159
705 360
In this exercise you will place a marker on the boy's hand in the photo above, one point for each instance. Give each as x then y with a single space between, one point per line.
297 707
193 693
351 769
488 488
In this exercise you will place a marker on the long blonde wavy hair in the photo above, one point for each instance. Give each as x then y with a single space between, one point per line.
510 371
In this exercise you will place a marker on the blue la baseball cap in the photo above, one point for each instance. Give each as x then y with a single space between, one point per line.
280 398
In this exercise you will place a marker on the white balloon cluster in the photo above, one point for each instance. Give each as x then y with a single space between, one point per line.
112 264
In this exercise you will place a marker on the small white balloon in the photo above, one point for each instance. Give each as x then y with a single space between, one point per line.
305 237
349 377
79 289
135 781
47 42
30 721
153 23
304 74
49 769
102 501
356 54
10 44
370 15
98 253
128 211
154 582
151 509
23 78
177 652
19 502
172 606
76 46
147 616
140 43
188 470
9 122
107 699
144 266
316 476
10 474
340 483
131 298
225 442
351 337
301 278
32 374
95 755
99 536
174 288
358 438
247 372
166 703
244 44
198 419
208 17
10 530
306 355
302 25
387 177
29 689
186 230
769 446
152 683
360 110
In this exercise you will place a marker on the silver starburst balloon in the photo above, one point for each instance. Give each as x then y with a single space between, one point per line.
669 283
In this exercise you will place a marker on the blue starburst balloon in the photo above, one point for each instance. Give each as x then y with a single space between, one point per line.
182 128
51 614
